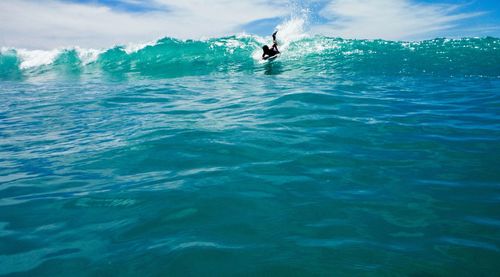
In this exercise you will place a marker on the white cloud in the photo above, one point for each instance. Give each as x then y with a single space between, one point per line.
53 23
389 19
49 24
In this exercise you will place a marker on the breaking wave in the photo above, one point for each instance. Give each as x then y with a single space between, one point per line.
169 57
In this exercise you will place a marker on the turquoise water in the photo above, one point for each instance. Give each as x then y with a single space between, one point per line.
342 157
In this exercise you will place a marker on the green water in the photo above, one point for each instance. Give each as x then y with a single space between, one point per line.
193 158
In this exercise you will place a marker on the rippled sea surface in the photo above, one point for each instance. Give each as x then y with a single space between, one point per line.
275 169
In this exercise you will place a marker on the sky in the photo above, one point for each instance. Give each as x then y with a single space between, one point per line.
47 24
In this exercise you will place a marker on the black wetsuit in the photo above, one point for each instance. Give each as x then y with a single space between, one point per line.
270 52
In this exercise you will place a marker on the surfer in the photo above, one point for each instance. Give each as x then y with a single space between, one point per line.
270 52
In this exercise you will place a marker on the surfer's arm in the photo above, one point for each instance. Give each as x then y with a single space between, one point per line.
275 43
275 47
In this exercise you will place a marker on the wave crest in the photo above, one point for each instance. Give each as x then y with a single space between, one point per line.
170 57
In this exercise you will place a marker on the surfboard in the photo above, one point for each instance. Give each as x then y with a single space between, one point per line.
272 58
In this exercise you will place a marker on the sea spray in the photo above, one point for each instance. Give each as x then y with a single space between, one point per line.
293 29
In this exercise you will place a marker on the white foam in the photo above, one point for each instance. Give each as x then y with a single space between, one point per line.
233 44
36 58
135 47
291 30
6 50
88 56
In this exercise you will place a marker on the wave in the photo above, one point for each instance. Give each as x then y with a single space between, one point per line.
169 57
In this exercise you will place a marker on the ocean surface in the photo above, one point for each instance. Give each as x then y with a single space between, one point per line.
194 158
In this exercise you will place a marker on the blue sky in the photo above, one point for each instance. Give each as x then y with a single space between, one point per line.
125 6
102 23
489 20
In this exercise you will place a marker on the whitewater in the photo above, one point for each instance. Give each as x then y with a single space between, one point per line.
194 157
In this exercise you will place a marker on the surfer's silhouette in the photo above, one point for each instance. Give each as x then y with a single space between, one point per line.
270 52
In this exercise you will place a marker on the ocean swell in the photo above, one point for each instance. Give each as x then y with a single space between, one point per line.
169 57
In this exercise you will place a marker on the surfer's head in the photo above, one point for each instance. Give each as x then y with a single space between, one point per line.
265 48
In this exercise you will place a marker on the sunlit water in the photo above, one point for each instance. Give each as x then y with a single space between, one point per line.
194 158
